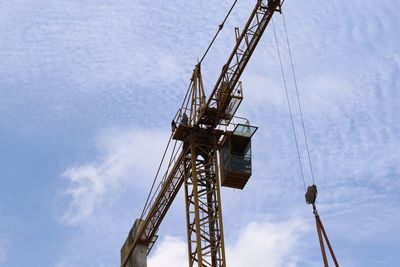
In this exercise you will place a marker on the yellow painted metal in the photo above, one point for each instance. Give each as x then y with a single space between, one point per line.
203 203
197 165
198 99
217 167
196 202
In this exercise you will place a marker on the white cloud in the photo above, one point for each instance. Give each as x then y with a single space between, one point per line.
171 252
266 244
350 106
126 158
260 244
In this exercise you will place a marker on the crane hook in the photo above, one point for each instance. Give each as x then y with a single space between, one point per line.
311 196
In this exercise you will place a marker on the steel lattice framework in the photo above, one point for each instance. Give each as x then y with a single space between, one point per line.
196 166
203 203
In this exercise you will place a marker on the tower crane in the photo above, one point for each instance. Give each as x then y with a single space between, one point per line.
215 151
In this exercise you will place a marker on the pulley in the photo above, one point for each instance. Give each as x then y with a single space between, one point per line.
311 196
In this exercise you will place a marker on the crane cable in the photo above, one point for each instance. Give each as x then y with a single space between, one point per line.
289 107
173 156
311 191
311 196
150 196
145 208
298 99
155 178
220 27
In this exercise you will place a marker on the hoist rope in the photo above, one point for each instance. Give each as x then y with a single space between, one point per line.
173 155
289 107
155 178
221 26
150 197
162 159
171 158
298 99
186 96
311 192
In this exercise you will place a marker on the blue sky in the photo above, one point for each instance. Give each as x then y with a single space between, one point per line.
88 90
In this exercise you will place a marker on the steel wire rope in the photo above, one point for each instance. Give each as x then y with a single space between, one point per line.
221 26
151 189
154 181
173 155
298 99
289 107
184 100
159 185
155 178
171 158
320 227
162 159
145 207
186 95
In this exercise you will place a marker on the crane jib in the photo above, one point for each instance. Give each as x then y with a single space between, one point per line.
231 72
147 229
243 50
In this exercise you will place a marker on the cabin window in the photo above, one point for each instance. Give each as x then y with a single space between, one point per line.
235 157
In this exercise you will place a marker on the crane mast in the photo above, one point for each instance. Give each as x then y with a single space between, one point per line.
197 166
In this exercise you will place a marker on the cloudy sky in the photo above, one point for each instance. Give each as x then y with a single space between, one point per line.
87 92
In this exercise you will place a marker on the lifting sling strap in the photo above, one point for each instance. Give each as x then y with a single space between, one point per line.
311 196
